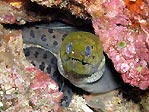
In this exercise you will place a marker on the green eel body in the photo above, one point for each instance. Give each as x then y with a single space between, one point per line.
81 58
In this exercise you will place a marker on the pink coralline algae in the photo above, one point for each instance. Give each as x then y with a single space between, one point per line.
23 87
46 91
125 37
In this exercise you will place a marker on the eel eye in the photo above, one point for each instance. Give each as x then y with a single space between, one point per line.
88 51
69 48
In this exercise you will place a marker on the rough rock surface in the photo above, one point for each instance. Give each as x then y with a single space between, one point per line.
124 34
23 87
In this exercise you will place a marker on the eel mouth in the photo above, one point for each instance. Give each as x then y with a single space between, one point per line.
78 60
97 71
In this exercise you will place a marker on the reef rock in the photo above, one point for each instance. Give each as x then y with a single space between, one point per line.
22 86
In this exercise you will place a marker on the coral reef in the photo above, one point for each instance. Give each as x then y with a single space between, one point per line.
111 102
124 34
77 104
145 102
123 28
22 86
12 13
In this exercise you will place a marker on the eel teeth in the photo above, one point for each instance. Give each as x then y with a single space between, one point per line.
82 61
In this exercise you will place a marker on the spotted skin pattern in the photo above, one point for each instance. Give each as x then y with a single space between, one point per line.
45 60
47 38
42 59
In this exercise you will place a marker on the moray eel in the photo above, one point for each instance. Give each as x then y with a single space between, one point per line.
41 46
47 62
79 57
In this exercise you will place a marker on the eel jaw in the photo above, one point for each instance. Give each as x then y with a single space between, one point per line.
82 80
93 77
78 60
